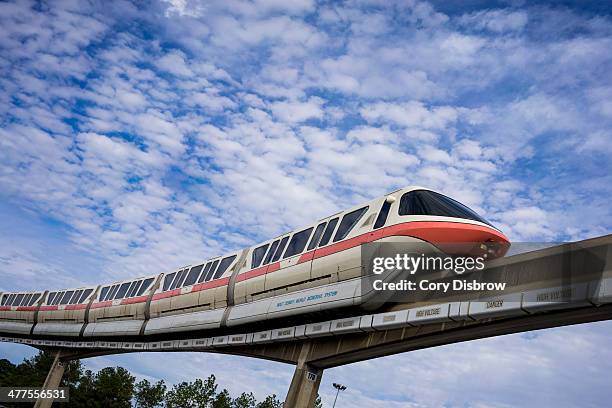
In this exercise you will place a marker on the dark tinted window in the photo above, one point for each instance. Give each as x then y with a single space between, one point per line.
111 293
11 299
66 297
75 297
423 202
271 252
258 256
103 292
225 263
122 290
4 299
281 248
49 298
145 285
57 298
85 295
35 297
132 289
328 232
178 281
168 280
316 236
192 277
26 299
212 270
298 243
348 222
136 289
205 272
382 215
18 299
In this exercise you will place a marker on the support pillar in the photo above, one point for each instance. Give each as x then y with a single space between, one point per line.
305 383
54 377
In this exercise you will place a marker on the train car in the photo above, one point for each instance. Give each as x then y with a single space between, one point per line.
64 312
194 297
121 308
312 269
18 311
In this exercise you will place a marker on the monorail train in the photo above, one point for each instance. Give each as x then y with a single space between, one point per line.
319 264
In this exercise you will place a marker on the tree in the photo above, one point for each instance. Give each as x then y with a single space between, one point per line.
245 401
318 403
222 400
270 402
149 396
111 387
197 394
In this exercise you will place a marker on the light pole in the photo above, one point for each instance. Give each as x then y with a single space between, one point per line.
338 387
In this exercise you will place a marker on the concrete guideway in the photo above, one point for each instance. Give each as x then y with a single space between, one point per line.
538 296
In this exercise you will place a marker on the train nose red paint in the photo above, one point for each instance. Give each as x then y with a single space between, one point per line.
456 238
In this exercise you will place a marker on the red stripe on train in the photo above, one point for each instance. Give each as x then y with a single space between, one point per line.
80 306
48 308
209 285
102 304
131 301
26 308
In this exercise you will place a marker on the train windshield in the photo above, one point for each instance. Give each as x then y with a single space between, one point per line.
423 202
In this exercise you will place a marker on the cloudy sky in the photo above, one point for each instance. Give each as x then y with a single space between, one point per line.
136 138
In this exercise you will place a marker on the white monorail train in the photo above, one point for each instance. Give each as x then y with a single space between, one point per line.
311 270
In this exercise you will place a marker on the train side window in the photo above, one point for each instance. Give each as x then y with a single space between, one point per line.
57 298
17 299
11 299
192 277
316 236
181 282
122 290
75 297
4 299
281 248
382 215
85 295
258 256
179 279
328 232
103 292
176 279
34 299
26 299
271 252
111 294
212 270
348 223
298 243
50 297
225 263
205 272
168 281
145 285
66 297
132 289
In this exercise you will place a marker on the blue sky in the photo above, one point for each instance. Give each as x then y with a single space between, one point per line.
137 138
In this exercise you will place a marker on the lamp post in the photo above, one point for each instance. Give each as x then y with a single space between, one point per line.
338 387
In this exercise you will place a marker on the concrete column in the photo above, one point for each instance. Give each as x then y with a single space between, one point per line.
305 383
54 377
